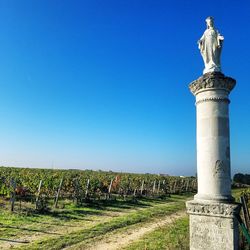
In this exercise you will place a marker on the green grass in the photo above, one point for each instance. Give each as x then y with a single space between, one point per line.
148 212
95 220
15 225
172 237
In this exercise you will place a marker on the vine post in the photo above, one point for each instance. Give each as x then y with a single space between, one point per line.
58 193
38 194
142 185
13 194
87 189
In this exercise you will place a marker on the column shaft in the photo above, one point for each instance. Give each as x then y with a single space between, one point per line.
213 145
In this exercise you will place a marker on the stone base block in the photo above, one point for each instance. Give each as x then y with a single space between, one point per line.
213 226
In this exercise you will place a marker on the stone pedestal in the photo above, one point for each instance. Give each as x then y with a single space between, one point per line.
212 212
213 225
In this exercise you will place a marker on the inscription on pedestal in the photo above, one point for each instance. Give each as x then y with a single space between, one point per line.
213 233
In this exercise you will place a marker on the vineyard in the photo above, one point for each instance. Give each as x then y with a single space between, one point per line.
74 209
41 186
85 209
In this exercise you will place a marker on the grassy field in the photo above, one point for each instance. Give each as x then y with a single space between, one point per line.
170 237
70 225
152 223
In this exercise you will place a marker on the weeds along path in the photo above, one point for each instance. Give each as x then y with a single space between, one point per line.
85 226
23 232
89 236
122 238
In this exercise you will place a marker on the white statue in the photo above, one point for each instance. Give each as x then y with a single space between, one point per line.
210 46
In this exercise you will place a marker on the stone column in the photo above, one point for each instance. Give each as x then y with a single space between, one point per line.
212 212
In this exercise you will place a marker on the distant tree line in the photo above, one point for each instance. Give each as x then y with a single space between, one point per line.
242 178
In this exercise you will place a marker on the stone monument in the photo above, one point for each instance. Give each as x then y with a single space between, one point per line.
213 224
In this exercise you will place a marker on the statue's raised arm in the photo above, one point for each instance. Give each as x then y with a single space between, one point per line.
210 45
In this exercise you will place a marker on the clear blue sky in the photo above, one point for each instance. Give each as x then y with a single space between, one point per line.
104 84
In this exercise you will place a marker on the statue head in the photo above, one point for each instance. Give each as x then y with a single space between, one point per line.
210 22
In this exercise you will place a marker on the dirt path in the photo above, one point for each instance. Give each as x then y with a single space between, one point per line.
115 241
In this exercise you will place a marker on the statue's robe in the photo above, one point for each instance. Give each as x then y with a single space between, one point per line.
210 47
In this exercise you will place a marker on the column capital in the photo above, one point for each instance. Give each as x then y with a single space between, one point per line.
212 81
